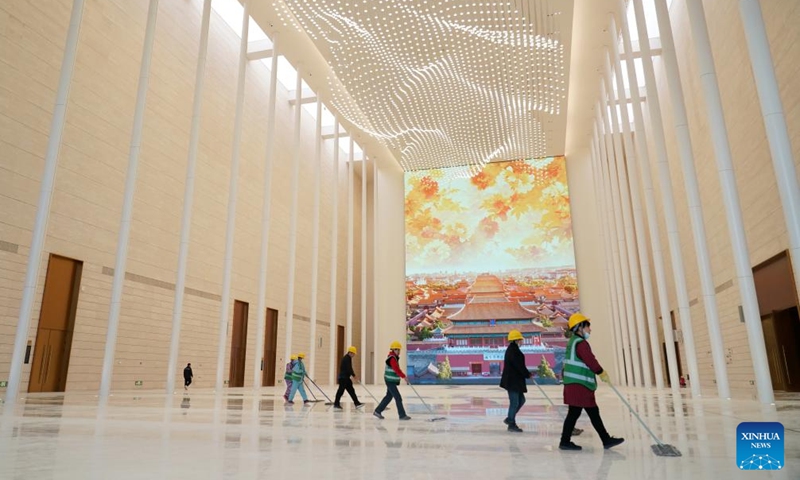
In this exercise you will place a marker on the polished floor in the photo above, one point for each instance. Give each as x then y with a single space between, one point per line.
247 434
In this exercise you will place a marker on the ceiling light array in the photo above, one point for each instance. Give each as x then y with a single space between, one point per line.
443 82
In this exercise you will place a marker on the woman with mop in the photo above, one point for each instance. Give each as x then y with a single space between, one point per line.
392 375
515 373
298 375
580 368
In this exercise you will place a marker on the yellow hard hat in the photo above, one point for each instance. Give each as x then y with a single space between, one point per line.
514 335
395 346
301 355
576 319
293 357
351 349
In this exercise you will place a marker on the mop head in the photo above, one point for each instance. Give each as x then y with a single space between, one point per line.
436 419
664 450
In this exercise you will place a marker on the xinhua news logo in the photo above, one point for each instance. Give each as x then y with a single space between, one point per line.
759 446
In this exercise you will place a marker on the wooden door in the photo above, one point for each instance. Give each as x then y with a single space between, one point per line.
238 344
56 324
787 333
774 357
270 348
339 342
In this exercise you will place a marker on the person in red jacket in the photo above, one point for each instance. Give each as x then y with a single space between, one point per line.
580 368
392 375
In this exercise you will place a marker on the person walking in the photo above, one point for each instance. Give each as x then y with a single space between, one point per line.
187 376
515 373
298 375
392 375
287 377
580 368
345 379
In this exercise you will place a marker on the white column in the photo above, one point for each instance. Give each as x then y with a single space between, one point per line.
775 123
375 320
298 110
350 194
667 200
630 276
618 241
730 198
693 200
332 364
312 355
364 222
188 199
652 221
43 204
600 194
261 308
127 202
642 281
233 189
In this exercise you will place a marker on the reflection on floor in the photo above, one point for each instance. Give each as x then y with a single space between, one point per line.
247 434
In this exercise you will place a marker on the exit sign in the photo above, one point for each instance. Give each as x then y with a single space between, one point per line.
3 383
138 383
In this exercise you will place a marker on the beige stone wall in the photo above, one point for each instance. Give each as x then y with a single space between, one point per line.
87 201
761 207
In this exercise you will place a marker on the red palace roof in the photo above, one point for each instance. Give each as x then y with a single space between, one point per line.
493 311
503 328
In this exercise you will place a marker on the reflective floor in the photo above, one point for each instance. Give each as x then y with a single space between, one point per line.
243 434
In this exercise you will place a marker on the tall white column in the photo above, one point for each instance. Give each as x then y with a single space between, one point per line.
188 199
668 202
312 355
43 203
364 223
618 241
261 308
332 364
600 194
642 281
295 187
730 198
233 190
775 122
652 219
375 320
630 275
127 202
693 200
350 200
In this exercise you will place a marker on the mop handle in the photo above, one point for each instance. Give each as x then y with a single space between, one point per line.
315 384
547 397
309 389
634 413
370 393
420 397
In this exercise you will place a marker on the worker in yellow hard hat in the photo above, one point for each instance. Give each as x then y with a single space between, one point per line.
515 373
580 368
392 375
298 376
287 377
345 379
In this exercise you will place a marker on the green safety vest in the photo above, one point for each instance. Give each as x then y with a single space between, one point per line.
575 371
389 374
299 371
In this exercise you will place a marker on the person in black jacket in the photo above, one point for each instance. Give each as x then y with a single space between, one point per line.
187 376
513 380
345 379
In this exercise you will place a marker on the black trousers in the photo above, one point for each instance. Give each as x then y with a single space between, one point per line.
346 384
572 417
187 381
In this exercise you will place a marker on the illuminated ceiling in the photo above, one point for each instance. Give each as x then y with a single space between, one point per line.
449 82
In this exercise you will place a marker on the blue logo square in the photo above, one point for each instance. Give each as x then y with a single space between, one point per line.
759 446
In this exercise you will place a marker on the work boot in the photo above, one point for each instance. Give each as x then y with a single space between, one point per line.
612 442
514 428
338 407
505 420
405 418
359 405
305 402
378 415
569 446
286 398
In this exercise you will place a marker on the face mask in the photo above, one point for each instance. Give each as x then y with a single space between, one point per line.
586 336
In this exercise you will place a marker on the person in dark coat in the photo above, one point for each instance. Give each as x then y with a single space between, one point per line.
580 368
515 373
345 379
187 376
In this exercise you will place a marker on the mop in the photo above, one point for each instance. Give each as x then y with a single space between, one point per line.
370 394
311 392
329 402
660 449
575 431
434 419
